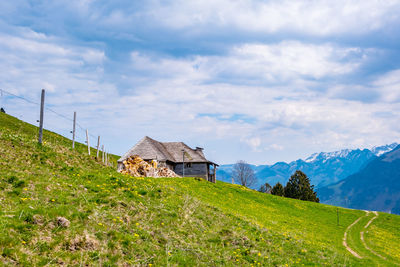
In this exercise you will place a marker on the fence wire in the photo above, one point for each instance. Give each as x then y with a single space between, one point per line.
80 131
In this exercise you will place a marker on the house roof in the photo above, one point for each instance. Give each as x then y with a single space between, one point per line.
149 149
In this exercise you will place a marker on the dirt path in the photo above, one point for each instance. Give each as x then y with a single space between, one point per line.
355 254
362 236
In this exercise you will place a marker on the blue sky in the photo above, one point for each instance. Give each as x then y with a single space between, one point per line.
261 81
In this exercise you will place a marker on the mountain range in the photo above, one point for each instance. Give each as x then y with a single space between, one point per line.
375 187
366 179
322 168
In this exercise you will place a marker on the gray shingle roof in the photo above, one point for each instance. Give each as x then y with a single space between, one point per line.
149 149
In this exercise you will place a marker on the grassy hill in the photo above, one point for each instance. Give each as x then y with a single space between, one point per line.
61 206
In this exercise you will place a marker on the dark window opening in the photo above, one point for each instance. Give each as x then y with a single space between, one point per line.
188 165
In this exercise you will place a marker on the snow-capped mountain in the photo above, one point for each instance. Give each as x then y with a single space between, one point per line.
322 168
328 155
380 150
324 156
374 187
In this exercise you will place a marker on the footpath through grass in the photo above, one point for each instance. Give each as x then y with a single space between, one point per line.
383 237
115 219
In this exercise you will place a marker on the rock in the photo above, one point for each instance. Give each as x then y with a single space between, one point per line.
63 222
51 225
85 242
37 219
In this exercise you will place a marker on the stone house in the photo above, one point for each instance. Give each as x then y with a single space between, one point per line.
176 156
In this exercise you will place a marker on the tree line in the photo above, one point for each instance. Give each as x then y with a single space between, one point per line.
298 186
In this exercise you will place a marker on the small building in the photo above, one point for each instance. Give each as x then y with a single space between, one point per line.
176 156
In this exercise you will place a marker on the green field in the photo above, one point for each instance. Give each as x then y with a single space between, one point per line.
120 220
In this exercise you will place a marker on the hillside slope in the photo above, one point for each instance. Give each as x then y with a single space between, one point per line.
60 206
377 186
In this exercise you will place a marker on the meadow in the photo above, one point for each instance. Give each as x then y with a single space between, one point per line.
62 206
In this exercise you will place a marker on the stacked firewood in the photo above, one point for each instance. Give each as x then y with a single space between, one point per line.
136 166
165 172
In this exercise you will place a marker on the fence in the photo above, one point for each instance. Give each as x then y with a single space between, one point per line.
47 116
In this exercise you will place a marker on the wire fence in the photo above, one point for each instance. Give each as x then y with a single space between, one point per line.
10 103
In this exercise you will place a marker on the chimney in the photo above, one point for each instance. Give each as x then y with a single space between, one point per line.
199 150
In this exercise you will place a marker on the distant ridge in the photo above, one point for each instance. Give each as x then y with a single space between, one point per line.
374 187
376 150
323 168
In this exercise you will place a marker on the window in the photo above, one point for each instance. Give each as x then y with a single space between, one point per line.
188 165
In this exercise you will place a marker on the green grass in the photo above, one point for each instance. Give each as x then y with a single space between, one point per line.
117 219
383 237
354 239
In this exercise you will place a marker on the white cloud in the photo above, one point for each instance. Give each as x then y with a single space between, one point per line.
212 19
163 67
310 17
384 88
389 86
35 60
253 142
276 147
299 120
288 61
262 96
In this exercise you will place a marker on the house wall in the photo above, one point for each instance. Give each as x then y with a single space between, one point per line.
196 170
169 166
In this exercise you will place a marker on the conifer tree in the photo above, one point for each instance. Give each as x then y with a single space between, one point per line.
299 187
278 190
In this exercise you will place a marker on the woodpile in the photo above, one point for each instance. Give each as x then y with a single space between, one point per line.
165 172
136 166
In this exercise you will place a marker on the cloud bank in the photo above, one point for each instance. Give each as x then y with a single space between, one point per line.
262 81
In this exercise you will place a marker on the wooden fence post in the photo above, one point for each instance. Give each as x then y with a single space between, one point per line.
73 131
87 141
98 145
41 117
102 158
1 99
183 163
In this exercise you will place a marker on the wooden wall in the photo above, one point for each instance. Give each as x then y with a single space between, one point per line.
196 170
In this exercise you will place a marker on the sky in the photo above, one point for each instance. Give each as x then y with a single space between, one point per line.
260 81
